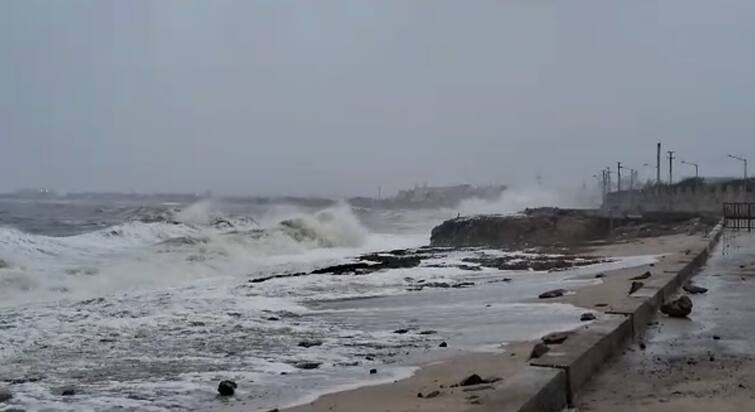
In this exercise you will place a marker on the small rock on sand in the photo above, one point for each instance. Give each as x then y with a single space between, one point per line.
539 350
227 388
470 380
443 345
433 394
401 331
556 293
635 287
373 371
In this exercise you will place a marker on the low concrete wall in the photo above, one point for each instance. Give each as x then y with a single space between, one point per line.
584 353
693 199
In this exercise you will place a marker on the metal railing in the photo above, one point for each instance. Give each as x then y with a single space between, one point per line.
739 216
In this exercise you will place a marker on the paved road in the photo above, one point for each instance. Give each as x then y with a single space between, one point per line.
705 363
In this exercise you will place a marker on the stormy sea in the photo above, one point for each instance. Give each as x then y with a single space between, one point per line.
145 306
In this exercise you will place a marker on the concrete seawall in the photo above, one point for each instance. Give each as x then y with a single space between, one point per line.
550 383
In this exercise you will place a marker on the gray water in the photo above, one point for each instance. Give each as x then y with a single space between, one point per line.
146 306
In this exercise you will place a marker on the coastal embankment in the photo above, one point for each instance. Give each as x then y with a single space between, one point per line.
543 372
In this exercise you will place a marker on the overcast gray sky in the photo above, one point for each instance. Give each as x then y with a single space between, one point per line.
337 97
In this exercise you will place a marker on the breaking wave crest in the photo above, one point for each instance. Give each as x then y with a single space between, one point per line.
161 246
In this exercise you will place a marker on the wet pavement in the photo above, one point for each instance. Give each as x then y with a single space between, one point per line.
704 363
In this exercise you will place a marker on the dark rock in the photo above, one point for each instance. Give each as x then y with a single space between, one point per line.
68 391
420 395
716 337
690 287
643 346
227 388
536 227
600 275
601 305
556 293
273 319
643 276
586 317
556 338
635 287
433 394
373 371
679 308
306 365
401 331
539 350
309 343
471 380
428 332
5 395
443 345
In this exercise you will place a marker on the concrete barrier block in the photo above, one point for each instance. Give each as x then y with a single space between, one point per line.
533 389
585 352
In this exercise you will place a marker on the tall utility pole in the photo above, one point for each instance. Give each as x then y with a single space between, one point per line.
609 183
671 166
632 173
618 177
697 168
658 165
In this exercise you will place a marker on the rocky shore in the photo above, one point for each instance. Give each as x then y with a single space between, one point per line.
555 227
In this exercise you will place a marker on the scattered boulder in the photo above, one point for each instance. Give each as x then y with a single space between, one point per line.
600 276
643 276
691 288
307 365
227 388
373 371
716 337
635 287
309 343
428 332
5 395
539 350
443 345
679 308
556 293
586 317
401 331
556 338
68 391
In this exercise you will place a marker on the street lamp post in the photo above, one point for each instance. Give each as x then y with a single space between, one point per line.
697 167
741 159
747 183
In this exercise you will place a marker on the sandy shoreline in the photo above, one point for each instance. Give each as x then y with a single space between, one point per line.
454 366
